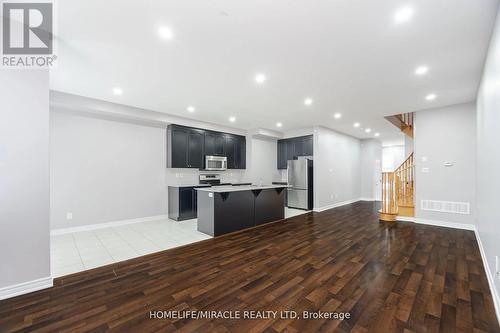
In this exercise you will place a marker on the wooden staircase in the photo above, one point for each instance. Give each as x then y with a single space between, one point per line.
398 186
397 191
404 122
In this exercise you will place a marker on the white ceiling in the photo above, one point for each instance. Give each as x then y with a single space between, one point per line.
347 55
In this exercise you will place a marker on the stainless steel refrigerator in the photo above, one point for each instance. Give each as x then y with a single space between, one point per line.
300 182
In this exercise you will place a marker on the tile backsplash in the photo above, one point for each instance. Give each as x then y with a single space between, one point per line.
188 176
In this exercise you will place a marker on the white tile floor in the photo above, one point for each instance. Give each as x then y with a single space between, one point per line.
74 252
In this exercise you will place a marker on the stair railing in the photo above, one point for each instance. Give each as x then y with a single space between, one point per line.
397 189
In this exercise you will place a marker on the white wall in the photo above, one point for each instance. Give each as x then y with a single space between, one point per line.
488 157
337 160
445 135
104 170
392 157
262 161
371 169
24 177
408 146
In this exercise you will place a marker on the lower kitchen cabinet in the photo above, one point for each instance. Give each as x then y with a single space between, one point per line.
182 203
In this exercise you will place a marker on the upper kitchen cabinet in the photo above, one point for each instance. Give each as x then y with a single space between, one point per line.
214 144
241 153
187 147
282 154
196 141
178 143
288 149
235 151
308 145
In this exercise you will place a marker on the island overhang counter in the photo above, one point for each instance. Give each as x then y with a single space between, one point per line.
226 209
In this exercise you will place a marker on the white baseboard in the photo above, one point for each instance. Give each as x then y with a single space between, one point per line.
368 199
106 225
445 224
465 226
320 209
489 275
25 287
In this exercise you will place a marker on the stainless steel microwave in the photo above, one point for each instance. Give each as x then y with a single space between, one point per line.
215 163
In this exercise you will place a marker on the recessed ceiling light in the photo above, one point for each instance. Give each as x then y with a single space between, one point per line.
165 33
368 130
430 97
308 101
191 109
117 91
337 115
421 70
260 78
377 134
403 15
356 124
279 124
232 119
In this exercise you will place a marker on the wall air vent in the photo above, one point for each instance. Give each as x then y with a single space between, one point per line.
446 206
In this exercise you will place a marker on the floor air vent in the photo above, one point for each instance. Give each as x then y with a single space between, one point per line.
446 206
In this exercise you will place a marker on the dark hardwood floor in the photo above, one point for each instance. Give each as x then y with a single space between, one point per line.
403 277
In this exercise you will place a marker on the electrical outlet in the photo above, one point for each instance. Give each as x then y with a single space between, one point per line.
331 196
69 216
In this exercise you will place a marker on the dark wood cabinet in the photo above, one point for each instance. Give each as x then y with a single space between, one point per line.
240 153
288 149
308 145
282 154
187 147
214 144
182 203
178 146
195 149
230 151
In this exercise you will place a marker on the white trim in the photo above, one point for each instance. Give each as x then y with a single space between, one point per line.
25 287
89 227
489 275
335 205
464 226
368 199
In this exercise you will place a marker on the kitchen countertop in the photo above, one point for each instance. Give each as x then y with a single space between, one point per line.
190 185
220 189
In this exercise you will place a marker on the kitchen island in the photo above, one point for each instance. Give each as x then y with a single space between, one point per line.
226 209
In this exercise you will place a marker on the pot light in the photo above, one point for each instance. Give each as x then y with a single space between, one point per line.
403 15
376 134
117 91
430 97
356 125
368 130
232 119
165 33
260 78
279 124
308 101
337 115
191 109
421 70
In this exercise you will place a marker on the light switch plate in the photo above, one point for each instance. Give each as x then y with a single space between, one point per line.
425 170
